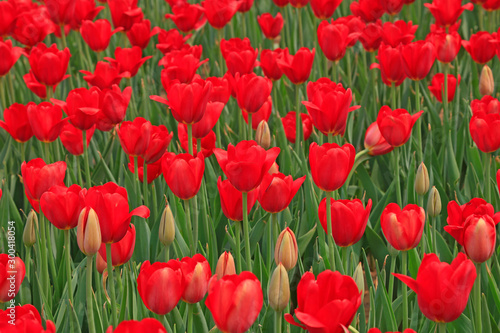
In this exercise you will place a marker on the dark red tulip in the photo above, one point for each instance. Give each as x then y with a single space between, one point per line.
418 58
81 107
297 68
104 77
17 122
239 55
447 45
491 5
245 5
252 91
375 142
71 13
12 272
45 120
349 219
140 34
318 299
121 251
446 12
27 319
210 118
324 9
392 7
207 142
395 125
437 86
403 228
128 60
49 64
327 157
262 114
480 46
334 38
368 10
484 128
221 90
38 177
220 12
7 16
458 214
97 34
231 200
197 273
277 191
8 55
187 17
62 205
72 138
399 32
289 122
110 202
125 13
145 325
171 40
269 63
281 3
158 143
298 3
83 10
183 173
371 36
179 65
135 136
390 64
270 26
32 26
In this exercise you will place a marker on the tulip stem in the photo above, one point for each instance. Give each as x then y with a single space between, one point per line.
419 122
301 32
220 32
68 264
487 176
404 264
187 206
250 129
238 245
109 260
28 262
390 290
43 248
396 170
276 227
331 250
144 183
393 95
198 145
190 318
334 71
86 158
165 323
298 121
442 327
246 231
2 93
277 322
270 242
90 311
477 300
190 139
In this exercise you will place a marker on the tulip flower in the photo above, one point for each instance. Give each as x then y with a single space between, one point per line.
81 106
399 32
72 138
8 15
277 191
286 251
140 34
327 157
437 86
390 64
171 40
331 293
135 136
484 129
324 9
239 55
49 64
442 289
231 200
183 173
447 45
10 55
221 90
124 13
121 251
179 65
418 58
36 87
334 38
349 219
252 92
245 5
27 319
128 60
491 5
220 12
368 10
480 46
62 205
187 17
45 120
104 77
262 114
113 104
145 325
298 3
269 63
158 144
203 127
196 272
289 125
375 142
225 265
396 125
446 12
297 68
392 7
371 36
270 26
97 34
403 228
17 122
32 26
12 272
235 302
487 104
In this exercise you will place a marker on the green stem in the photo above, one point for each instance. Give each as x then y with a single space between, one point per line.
393 95
418 125
270 247
477 300
187 207
434 240
198 145
334 71
390 290
276 226
46 152
330 138
145 183
28 263
404 264
220 32
137 181
190 318
246 231
165 323
23 151
277 322
349 69
90 311
68 263
111 279
43 250
442 327
237 239
396 170
167 253
445 102
487 176
331 250
86 159
250 128
3 100
301 32
298 120
190 139
243 25
11 87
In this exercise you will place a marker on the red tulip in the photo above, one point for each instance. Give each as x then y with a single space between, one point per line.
8 56
447 45
269 63
289 122
153 169
437 86
128 61
324 9
326 304
207 142
484 128
480 46
487 104
197 273
45 120
235 301
281 3
161 285
36 87
390 64
83 10
221 90
399 32
110 202
371 36
140 34
231 200
62 205
121 251
442 289
368 10
403 228
375 142
81 106
183 173
104 77
298 3
171 40
48 64
246 164
135 136
271 26
263 114
27 320
239 55
187 17
418 58
180 65
392 7
334 38
32 26
297 68
349 219
12 272
491 5
39 177
158 143
72 13
17 122
113 104
327 157
132 326
446 12
395 125
277 191
220 12
245 5
97 34
252 91
72 138
7 16
203 127
125 13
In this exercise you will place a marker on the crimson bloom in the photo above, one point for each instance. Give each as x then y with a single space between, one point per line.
49 64
12 272
221 90
104 77
81 106
327 304
231 200
442 289
485 123
132 326
403 228
277 191
140 34
121 251
327 157
418 58
7 17
17 122
113 104
252 91
197 273
36 87
62 205
27 320
263 114
297 68
375 142
396 125
371 36
235 301
480 46
179 65
183 173
437 86
128 60
289 122
446 12
45 120
171 40
203 127
220 12
97 34
281 3
187 17
368 10
246 158
390 64
72 138
135 136
269 63
324 9
298 3
392 7
399 32
124 13
32 26
239 55
8 55
158 143
487 104
270 26
447 45
334 38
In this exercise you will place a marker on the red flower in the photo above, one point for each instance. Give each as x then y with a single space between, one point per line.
246 164
371 36
368 10
45 120
245 5
39 177
125 13
491 5
324 9
289 125
235 301
135 136
104 77
375 142
187 17
62 205
437 86
269 63
355 25
277 191
158 143
239 55
128 61
484 128
32 26
231 200
297 68
399 32
153 169
171 40
271 26
161 285
7 16
121 251
349 219
486 104
447 45
326 304
442 289
16 122
48 64
12 272
327 157
203 127
27 320
334 38
392 7
403 228
281 3
140 34
83 10
180 65
72 138
481 46
132 326
221 90
183 173
418 58
197 273
252 91
298 3
395 125
97 34
390 64
72 13
446 12
110 203
8 56
207 142
263 114
220 12
82 107
36 87
113 104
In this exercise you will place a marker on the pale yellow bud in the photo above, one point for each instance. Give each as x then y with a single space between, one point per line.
434 203
167 227
88 234
29 234
422 180
279 289
286 251
486 81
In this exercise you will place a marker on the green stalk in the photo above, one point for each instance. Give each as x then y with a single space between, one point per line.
396 170
190 318
246 232
276 226
190 139
331 250
11 87
477 300
220 32
90 311
301 32
46 152
334 71
250 129
238 245
164 321
23 151
43 253
390 290
68 264
198 145
487 176
137 181
270 242
145 183
442 327
187 207
28 263
418 125
445 102
393 95
298 121
277 322
86 159
404 264
194 202
111 279
3 100
349 70
243 25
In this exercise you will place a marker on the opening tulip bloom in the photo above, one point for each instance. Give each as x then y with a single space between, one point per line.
128 60
324 9
113 104
375 142
368 10
72 138
220 12
197 273
442 289
252 91
46 121
270 26
289 122
334 38
121 251
396 125
104 77
390 64
418 58
49 64
158 144
17 122
297 68
371 36
27 319
239 55
437 86
62 205
446 12
124 13
231 200
10 55
82 107
135 136
183 173
327 157
269 63
235 301
403 228
327 304
277 191
399 32
187 17
145 325
447 45
481 46
12 272
484 128
171 40
140 34
97 34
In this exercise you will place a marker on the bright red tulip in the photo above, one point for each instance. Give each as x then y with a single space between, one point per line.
124 13
281 3
418 58
72 138
375 142
399 32
180 66
135 136
403 228
187 17
263 114
131 326
297 68
62 205
446 12
368 10
113 104
324 9
83 10
36 87
140 34
45 120
32 26
97 34
326 304
221 90
334 38
442 289
203 127
220 12
437 86
207 142
487 104
17 122
269 63
7 16
271 26
245 5
231 200
392 7
327 157
480 46
183 173
491 5
171 40
128 60
8 56
396 125
246 163
153 169
235 301
81 106
484 128
390 64
49 64
12 272
121 251
197 273
349 219
239 55
27 320
158 143
371 36
104 77
289 122
447 45
277 191
252 91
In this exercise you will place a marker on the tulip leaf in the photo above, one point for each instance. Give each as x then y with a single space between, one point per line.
141 251
485 315
462 325
389 316
413 262
442 248
376 244
304 240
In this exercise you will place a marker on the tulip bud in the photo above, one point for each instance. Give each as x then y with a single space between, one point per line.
279 289
263 135
88 233
29 234
286 251
422 180
486 81
167 227
434 203
359 278
225 265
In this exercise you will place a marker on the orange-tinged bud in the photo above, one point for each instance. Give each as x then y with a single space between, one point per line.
29 234
225 265
486 81
479 237
286 251
434 203
88 232
263 135
279 289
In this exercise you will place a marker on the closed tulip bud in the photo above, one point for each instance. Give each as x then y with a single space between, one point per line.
359 278
279 289
434 203
29 234
167 227
263 135
422 180
88 234
225 265
286 250
486 81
